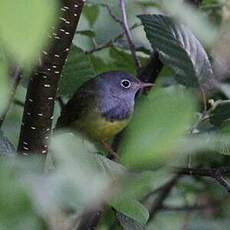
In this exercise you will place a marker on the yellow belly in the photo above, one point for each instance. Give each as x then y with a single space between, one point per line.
98 128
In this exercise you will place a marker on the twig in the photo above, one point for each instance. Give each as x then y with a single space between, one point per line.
112 15
128 34
215 173
164 193
16 79
89 221
112 41
204 99
186 208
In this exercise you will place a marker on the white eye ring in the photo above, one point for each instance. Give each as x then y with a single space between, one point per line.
125 83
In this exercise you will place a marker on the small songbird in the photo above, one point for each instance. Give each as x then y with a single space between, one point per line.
102 106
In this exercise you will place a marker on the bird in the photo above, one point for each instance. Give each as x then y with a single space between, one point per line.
102 106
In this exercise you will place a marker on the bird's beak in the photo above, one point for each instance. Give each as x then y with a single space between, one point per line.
143 85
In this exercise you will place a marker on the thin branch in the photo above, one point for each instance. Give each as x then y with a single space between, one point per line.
111 42
90 220
186 208
112 15
163 194
204 99
16 79
216 173
128 34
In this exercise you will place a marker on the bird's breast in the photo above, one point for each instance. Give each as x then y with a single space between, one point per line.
98 128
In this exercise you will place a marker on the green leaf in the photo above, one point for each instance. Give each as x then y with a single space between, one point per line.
91 12
99 64
24 27
88 33
131 208
202 26
178 48
159 121
77 70
122 60
73 172
6 147
110 167
16 208
214 142
128 223
4 87
220 112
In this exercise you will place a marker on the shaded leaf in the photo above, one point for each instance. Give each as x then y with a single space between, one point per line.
128 223
88 33
77 70
220 113
91 13
99 64
122 60
131 208
110 167
178 48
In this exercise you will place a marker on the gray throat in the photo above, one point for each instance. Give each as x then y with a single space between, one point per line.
114 109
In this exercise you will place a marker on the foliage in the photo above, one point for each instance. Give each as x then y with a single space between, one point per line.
183 121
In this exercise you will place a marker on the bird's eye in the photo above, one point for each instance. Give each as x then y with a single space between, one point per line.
125 83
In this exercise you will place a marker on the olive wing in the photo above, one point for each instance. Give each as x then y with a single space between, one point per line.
77 107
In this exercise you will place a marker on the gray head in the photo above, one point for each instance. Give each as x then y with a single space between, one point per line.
117 92
119 84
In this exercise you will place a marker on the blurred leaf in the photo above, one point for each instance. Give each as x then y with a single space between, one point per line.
16 209
215 142
197 21
199 223
131 208
91 13
168 221
88 33
160 119
24 27
220 112
148 3
178 48
139 184
4 87
68 186
211 4
128 223
110 167
77 70
6 147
